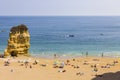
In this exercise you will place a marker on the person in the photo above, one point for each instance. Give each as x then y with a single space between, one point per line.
36 62
82 53
95 69
95 66
86 54
55 65
26 63
11 70
30 66
68 61
102 55
62 65
55 55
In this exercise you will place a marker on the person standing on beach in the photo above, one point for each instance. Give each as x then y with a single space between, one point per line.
102 55
86 54
55 56
82 53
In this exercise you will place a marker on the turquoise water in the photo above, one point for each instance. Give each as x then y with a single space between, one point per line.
49 35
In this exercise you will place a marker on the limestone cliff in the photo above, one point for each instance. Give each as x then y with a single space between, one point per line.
18 42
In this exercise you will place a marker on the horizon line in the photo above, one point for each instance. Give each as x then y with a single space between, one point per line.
59 15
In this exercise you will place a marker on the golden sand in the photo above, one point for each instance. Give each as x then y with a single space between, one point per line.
83 68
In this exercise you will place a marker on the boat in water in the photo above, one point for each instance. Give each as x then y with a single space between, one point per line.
71 35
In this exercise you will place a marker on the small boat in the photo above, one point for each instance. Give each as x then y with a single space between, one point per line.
71 36
2 31
101 34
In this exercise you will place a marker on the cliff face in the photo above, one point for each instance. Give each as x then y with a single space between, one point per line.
18 42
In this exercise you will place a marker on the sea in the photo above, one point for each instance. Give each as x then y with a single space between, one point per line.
66 35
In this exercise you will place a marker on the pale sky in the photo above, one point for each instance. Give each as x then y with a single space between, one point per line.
60 7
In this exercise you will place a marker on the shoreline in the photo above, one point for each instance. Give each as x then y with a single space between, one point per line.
72 56
75 54
66 56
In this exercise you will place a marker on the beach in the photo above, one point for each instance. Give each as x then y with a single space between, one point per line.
82 68
86 48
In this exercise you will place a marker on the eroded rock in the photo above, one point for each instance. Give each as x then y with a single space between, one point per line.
18 42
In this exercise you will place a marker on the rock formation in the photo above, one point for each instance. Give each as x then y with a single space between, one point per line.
18 42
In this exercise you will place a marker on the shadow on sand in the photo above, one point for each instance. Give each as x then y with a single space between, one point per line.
108 76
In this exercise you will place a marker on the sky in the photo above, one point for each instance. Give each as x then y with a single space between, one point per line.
60 7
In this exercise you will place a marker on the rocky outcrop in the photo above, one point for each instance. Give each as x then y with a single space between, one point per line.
18 42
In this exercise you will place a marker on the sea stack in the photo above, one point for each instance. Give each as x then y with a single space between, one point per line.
18 42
